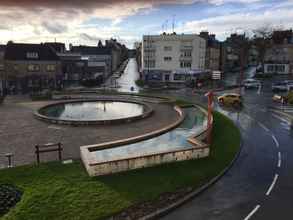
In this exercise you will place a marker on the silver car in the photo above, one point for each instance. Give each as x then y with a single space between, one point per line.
280 86
251 83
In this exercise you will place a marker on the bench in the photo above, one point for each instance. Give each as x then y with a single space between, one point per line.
50 147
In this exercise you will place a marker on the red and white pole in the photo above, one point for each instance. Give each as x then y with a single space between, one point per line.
210 96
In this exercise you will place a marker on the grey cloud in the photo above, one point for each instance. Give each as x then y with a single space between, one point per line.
54 28
88 37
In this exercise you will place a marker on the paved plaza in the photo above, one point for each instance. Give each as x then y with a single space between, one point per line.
20 131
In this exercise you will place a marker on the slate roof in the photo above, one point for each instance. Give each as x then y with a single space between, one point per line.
87 50
2 47
58 47
18 51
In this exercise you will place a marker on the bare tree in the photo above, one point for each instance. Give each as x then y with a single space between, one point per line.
262 41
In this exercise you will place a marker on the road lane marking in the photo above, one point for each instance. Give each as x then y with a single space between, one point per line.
263 110
272 185
263 126
275 140
280 118
252 212
279 159
259 90
248 117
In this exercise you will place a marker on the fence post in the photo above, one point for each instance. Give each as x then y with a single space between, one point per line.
9 157
59 151
38 154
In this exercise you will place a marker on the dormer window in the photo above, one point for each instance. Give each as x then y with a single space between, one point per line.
32 55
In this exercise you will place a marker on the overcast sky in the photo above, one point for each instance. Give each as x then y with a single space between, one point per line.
87 21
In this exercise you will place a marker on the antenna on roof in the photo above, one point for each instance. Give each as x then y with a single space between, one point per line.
173 24
167 25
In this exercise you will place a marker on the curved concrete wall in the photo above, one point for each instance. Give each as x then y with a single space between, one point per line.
147 112
199 150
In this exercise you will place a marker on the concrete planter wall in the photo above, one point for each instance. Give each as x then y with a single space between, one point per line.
147 161
198 150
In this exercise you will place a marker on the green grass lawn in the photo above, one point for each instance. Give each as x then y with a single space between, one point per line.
55 191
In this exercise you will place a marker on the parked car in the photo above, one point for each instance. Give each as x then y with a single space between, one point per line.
280 99
290 87
251 83
230 99
280 86
288 81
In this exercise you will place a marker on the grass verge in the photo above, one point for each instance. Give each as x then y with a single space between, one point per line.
55 191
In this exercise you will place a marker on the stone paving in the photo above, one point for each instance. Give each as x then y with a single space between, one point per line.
20 131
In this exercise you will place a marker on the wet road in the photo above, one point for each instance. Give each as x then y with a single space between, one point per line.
128 78
260 184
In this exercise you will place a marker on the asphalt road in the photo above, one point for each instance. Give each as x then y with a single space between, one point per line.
260 184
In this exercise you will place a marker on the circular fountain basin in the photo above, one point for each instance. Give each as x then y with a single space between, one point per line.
86 112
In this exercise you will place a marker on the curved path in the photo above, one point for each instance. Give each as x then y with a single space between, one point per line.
260 184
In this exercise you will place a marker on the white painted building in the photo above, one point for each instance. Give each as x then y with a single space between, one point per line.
166 56
279 59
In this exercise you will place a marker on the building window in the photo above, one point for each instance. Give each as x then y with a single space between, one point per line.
270 68
185 64
167 59
178 77
167 48
32 55
187 54
149 64
51 68
280 68
33 67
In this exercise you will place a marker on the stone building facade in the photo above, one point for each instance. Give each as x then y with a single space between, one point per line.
31 68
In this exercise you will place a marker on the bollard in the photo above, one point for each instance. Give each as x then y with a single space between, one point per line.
9 157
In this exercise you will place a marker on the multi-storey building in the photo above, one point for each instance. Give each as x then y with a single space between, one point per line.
212 59
98 61
31 67
234 52
279 55
2 70
172 57
102 60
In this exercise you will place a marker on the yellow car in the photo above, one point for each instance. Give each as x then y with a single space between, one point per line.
230 99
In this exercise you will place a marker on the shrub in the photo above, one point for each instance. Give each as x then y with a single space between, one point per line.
9 196
140 82
290 97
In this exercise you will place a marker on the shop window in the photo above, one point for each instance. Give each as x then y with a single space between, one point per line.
33 67
51 68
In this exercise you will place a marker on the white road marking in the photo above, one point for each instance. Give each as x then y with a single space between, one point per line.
247 116
263 126
272 185
55 127
279 159
259 90
252 212
275 140
280 118
286 126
